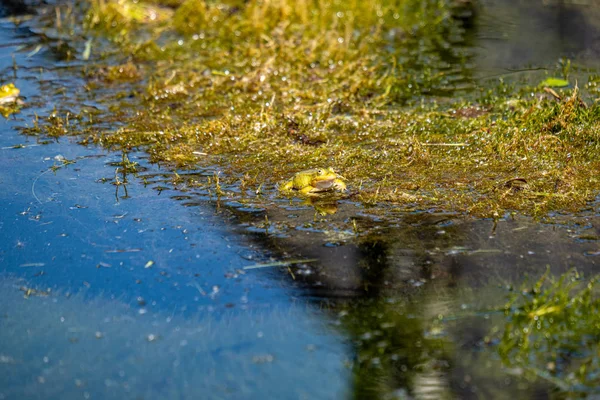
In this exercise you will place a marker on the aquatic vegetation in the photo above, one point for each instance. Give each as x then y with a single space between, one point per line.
383 91
112 13
552 332
251 93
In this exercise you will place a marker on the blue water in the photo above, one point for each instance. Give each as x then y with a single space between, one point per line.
137 297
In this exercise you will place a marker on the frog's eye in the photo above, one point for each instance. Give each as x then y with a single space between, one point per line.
320 171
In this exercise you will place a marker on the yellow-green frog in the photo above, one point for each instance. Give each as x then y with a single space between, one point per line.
9 93
9 100
314 181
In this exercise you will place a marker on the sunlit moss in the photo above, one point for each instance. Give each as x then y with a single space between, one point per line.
113 14
124 72
380 91
191 17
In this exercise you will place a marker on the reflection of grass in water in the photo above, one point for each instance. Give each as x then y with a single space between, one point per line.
547 335
58 347
553 331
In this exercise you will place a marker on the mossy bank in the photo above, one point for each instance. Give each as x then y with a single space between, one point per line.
383 92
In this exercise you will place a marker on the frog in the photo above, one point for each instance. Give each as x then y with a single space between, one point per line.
9 100
9 93
315 181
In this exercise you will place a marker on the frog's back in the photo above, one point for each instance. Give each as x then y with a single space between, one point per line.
303 179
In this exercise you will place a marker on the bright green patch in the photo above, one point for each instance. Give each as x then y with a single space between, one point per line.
554 82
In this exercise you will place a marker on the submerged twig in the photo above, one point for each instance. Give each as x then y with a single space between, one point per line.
35 181
18 146
281 263
33 264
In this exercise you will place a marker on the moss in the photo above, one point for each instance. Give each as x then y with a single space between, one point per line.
123 14
124 72
191 17
381 91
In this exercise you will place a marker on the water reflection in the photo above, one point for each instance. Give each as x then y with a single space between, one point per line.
322 207
138 296
419 300
517 34
112 294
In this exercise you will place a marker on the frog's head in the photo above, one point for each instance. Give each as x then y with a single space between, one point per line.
9 93
323 178
9 90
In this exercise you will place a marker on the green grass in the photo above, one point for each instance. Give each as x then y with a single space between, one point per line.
381 91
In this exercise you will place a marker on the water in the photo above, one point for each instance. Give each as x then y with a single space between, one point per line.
129 291
146 296
517 34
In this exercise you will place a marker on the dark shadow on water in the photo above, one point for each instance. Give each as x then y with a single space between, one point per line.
387 289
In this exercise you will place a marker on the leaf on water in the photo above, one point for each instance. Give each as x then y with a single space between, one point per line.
554 82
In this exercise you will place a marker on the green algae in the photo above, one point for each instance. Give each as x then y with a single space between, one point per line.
381 91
